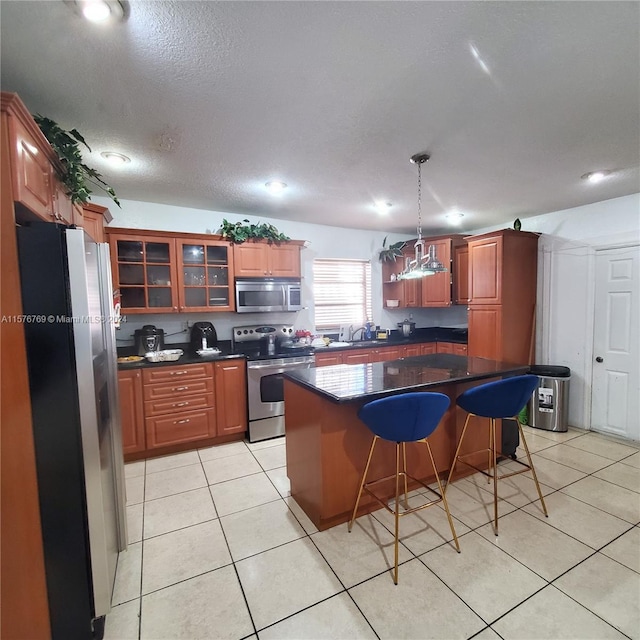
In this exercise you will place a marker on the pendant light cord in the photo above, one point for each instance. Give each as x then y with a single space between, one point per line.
419 201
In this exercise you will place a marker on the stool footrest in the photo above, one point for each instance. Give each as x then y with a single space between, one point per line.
406 511
487 473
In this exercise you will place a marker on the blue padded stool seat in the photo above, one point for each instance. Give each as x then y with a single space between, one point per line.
495 400
409 417
500 399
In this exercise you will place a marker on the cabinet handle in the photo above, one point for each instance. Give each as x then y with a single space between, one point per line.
181 421
180 404
178 373
179 388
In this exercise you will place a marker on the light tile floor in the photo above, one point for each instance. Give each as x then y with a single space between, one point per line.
219 549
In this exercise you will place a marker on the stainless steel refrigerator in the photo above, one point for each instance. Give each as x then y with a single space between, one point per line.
70 336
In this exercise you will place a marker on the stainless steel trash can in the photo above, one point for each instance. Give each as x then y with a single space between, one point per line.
549 403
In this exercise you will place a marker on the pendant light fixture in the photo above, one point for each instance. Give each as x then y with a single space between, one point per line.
422 264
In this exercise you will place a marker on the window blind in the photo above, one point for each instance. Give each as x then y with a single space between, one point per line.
342 293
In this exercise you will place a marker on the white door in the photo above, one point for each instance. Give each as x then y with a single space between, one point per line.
615 402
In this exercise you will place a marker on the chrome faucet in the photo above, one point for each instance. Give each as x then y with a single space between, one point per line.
352 332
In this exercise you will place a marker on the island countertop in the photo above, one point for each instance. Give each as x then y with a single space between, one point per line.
346 383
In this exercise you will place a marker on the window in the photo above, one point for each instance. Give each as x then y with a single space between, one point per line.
342 293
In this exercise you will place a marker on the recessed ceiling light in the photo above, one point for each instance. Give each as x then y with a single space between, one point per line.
275 187
101 11
115 158
596 176
454 217
382 207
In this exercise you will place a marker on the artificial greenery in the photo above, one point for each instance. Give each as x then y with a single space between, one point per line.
76 176
239 232
392 252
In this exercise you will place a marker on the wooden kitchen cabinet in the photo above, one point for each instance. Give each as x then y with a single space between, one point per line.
231 396
485 276
131 410
411 350
359 356
144 269
461 274
328 359
485 329
258 258
93 219
436 289
502 295
380 354
444 347
431 291
428 348
31 160
205 275
459 349
168 420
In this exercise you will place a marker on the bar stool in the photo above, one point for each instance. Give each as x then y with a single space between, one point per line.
410 417
493 400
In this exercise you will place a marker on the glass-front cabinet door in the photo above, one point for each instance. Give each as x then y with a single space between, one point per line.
143 270
205 275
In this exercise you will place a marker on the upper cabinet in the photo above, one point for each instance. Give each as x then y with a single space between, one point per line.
461 274
144 269
36 190
205 275
261 259
161 272
92 218
431 291
31 162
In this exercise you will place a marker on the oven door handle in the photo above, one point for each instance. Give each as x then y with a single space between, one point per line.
279 366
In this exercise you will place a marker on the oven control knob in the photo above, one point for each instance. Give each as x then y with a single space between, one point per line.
246 331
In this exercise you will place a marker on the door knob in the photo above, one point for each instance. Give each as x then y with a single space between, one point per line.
599 359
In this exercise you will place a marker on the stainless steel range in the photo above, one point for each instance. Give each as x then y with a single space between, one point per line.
271 350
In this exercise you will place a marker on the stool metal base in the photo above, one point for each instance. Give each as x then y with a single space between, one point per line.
492 470
402 472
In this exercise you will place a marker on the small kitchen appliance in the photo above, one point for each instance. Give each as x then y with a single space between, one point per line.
149 338
203 337
406 328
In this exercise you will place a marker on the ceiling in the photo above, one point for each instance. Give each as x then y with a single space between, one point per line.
514 101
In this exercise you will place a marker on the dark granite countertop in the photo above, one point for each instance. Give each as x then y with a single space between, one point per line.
426 334
226 353
344 383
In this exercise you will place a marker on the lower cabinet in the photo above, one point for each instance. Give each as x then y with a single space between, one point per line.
172 406
170 394
231 396
382 354
131 411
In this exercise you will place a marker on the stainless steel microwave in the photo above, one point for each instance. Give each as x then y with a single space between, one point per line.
259 295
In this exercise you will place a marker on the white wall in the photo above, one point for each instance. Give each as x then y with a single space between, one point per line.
566 291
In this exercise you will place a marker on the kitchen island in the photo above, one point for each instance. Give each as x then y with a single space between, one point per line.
327 445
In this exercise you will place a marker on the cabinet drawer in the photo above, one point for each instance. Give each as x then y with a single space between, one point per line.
171 374
188 426
176 389
444 347
178 405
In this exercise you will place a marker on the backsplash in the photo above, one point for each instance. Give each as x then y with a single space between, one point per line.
174 325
